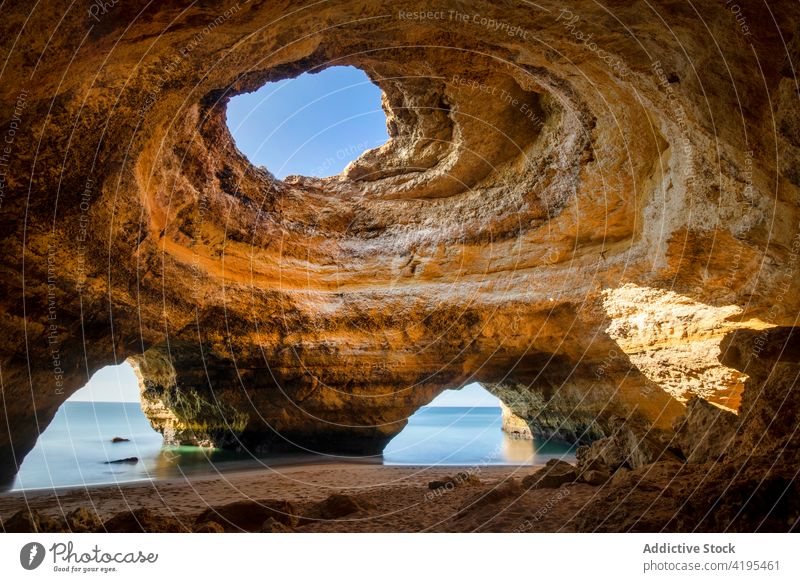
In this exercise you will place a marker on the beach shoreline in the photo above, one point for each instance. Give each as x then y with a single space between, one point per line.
389 498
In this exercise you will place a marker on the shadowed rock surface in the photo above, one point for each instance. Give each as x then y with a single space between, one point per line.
250 515
705 432
754 486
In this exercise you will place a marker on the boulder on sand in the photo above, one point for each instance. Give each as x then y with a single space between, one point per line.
250 515
83 520
31 521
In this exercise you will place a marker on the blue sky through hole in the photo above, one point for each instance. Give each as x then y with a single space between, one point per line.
110 384
312 125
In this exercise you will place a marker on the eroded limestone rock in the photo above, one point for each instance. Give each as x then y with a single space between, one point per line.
513 425
631 445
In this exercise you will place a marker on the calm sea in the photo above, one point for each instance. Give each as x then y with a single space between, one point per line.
76 447
449 435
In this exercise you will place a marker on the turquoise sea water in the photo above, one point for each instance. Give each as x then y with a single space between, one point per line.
75 447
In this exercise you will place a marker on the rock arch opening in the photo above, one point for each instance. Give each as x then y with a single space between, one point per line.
98 435
469 426
312 125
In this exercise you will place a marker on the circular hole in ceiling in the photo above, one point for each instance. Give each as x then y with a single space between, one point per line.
312 125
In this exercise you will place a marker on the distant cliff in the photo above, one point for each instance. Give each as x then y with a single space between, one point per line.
514 425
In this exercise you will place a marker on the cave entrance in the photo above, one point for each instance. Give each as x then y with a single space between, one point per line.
77 447
459 427
312 125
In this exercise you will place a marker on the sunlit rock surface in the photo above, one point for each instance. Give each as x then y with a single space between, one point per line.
514 425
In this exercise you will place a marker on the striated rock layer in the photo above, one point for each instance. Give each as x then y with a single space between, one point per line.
576 225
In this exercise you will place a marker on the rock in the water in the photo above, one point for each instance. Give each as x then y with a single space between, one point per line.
31 521
554 474
143 520
120 440
271 525
250 515
706 431
127 460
